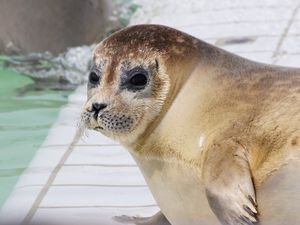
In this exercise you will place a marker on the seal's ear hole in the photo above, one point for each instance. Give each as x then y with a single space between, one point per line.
156 64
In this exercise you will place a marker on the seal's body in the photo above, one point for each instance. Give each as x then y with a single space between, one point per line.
215 135
277 191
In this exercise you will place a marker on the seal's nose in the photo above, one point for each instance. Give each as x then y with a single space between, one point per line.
97 107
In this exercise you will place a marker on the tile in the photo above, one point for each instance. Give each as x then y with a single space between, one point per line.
236 30
18 205
297 17
178 8
93 175
88 216
264 57
79 95
34 176
69 116
215 4
107 155
289 60
48 157
295 27
91 137
290 45
226 16
41 167
256 45
97 196
60 135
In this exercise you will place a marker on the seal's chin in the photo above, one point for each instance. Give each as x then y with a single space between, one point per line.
99 128
116 133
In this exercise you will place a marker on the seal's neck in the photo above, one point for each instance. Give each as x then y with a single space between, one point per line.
179 68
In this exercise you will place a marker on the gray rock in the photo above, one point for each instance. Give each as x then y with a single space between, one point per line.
53 26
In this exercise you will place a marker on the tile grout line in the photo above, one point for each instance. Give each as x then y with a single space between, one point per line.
88 185
259 35
100 165
98 206
230 23
277 50
51 179
235 8
83 145
102 185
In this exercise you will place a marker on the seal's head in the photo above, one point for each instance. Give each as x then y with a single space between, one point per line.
131 78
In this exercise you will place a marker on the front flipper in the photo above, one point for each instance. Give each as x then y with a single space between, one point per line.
228 183
157 219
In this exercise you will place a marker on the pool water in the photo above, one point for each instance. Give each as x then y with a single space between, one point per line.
25 118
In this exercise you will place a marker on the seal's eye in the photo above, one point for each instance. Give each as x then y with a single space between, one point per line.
94 78
139 80
135 79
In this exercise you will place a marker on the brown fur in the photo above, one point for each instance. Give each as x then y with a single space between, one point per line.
249 101
250 107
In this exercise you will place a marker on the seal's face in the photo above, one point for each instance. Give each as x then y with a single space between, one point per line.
129 80
124 96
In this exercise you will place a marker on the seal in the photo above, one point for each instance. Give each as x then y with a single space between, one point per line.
215 135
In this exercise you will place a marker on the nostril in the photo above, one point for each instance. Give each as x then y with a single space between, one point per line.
97 107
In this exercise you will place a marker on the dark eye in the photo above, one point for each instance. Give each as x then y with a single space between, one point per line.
139 80
94 78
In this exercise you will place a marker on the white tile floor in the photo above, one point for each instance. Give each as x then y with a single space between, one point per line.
90 179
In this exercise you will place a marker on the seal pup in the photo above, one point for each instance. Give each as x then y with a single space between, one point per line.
215 135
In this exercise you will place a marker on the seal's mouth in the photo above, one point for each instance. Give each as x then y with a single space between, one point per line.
109 122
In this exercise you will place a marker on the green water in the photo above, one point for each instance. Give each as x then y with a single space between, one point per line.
25 118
